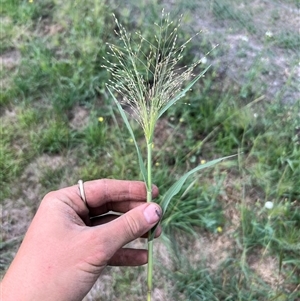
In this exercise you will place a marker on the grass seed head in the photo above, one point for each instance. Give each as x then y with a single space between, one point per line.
148 74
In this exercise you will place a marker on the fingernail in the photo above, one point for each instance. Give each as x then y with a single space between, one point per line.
152 213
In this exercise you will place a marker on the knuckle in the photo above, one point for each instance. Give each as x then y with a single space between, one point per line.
132 226
49 197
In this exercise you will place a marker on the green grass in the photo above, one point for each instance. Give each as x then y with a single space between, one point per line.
51 100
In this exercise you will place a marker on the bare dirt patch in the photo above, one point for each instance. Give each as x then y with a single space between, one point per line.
80 118
256 35
266 267
10 59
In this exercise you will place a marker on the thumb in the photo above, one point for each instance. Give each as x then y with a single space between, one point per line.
132 225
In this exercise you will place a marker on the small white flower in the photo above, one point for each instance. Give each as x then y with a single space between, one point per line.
269 34
269 205
245 39
255 115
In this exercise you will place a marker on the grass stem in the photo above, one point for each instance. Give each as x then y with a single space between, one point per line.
150 242
149 172
150 269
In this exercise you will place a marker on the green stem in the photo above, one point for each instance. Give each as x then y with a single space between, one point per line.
150 242
150 269
149 172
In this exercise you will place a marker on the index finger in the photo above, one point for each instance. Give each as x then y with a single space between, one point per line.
108 194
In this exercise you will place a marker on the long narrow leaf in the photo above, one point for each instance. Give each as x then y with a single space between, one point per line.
175 188
182 93
125 119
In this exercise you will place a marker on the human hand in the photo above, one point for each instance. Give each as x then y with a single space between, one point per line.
68 244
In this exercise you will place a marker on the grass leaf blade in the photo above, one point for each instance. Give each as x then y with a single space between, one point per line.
125 119
182 93
175 188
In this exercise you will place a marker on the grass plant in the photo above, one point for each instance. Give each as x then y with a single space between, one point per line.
150 80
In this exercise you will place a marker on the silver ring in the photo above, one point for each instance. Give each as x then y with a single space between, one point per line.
81 191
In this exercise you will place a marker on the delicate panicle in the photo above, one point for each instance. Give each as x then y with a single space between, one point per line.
147 75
